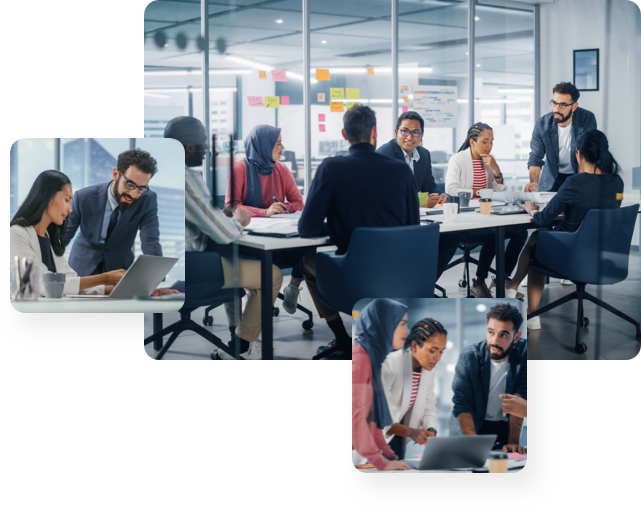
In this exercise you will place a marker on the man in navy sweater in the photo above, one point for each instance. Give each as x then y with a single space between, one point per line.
362 189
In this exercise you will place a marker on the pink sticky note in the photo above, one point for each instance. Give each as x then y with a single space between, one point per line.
255 101
405 109
279 75
321 117
516 456
321 127
419 455
284 100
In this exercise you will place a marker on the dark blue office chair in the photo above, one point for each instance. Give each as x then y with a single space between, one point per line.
596 253
398 262
203 282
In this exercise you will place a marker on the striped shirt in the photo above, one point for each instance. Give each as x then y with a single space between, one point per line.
480 178
203 220
416 379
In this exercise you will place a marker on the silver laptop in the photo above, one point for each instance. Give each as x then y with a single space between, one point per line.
456 452
506 210
141 279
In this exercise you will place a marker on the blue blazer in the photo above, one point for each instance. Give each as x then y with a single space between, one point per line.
545 143
88 213
422 168
471 383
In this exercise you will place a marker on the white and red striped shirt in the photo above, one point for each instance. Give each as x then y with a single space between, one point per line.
480 178
416 379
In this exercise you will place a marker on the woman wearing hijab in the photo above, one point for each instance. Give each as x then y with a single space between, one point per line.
261 187
39 229
380 327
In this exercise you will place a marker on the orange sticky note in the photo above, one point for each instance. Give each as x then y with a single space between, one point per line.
322 74
405 89
364 466
262 74
336 107
406 99
321 97
370 71
619 197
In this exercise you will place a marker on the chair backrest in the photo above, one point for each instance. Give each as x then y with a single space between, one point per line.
203 278
596 253
398 262
441 187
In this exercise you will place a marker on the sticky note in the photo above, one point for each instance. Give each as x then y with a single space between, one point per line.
406 99
405 89
321 117
350 104
321 127
262 74
336 107
284 100
516 456
255 101
365 466
279 75
370 71
352 93
406 109
321 97
272 102
322 74
336 93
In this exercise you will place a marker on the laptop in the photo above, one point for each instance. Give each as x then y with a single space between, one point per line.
506 210
143 276
456 452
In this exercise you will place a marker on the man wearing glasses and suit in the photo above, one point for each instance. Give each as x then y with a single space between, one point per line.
109 216
409 134
554 137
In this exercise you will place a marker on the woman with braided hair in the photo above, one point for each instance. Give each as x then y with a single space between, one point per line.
596 185
408 380
474 168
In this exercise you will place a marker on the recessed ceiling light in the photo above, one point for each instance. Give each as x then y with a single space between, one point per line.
278 20
481 308
323 42
476 18
478 65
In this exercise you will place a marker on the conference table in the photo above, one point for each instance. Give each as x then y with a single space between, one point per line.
98 305
514 466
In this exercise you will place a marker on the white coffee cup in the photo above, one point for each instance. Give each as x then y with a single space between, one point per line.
485 193
449 212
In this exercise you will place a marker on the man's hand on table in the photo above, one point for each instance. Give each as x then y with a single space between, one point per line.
514 448
395 465
160 292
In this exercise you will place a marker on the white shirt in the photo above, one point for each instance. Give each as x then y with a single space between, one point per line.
415 157
565 148
498 381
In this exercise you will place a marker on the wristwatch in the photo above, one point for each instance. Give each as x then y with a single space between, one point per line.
499 176
432 429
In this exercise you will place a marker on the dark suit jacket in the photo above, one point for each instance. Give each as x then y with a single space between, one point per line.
88 212
422 168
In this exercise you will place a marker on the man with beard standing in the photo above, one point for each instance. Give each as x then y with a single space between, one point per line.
485 371
554 138
109 216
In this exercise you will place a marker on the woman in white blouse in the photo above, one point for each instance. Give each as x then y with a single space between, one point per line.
39 230
474 168
408 381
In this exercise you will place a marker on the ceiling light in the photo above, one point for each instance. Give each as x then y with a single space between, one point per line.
192 89
516 90
323 42
279 21
481 308
197 72
476 18
478 65
157 95
250 63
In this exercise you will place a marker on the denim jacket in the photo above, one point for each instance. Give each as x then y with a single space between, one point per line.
545 144
471 384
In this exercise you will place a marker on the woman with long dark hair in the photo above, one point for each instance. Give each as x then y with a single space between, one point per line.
39 231
474 168
596 185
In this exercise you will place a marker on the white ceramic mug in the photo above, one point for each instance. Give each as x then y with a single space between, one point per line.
449 212
485 193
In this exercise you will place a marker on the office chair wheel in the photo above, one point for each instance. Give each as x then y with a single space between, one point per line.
308 325
276 311
580 348
208 320
462 283
584 322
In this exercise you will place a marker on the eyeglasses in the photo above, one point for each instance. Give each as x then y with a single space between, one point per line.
405 132
132 185
561 105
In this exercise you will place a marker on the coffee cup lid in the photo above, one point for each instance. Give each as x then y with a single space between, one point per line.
498 456
485 200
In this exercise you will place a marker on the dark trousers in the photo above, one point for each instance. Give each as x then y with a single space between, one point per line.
447 245
560 178
501 429
488 251
291 259
397 446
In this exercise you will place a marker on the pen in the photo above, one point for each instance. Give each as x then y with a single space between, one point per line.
276 201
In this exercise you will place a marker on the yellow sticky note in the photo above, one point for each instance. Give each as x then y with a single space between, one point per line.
370 71
352 93
322 74
336 93
262 74
272 102
336 107
350 104
406 99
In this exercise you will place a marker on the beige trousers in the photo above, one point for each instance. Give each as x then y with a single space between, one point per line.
248 326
